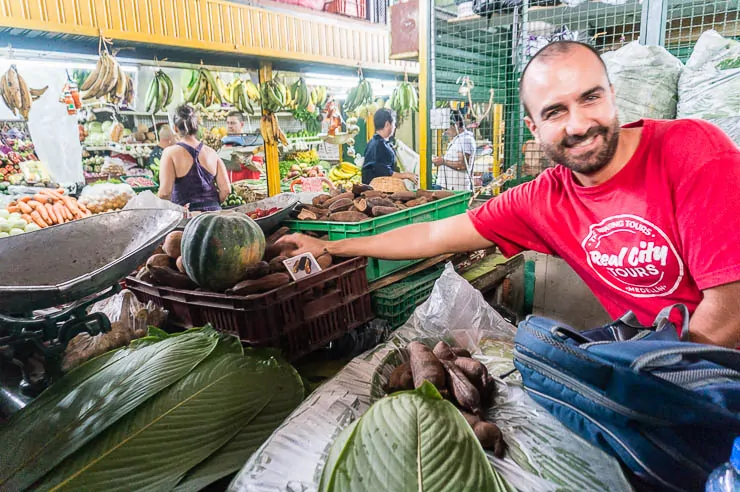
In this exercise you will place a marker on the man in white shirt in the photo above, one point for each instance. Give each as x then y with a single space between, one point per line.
455 169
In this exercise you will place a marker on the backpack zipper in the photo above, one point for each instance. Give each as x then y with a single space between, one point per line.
610 434
586 390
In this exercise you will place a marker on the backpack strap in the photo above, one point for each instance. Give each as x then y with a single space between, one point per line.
728 358
662 320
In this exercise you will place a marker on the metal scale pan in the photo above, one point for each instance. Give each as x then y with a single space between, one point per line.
67 262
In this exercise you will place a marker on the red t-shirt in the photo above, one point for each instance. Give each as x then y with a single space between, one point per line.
663 229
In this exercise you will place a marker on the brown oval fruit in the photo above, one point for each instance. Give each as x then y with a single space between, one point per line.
172 244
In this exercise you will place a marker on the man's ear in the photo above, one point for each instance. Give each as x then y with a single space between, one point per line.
532 128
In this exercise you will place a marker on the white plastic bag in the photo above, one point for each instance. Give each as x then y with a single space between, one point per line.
709 87
645 79
543 455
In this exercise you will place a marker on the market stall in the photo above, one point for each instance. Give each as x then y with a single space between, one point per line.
191 351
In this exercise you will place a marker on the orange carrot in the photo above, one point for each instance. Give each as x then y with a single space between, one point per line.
27 218
38 220
39 197
71 204
13 209
25 208
59 209
25 198
52 213
42 212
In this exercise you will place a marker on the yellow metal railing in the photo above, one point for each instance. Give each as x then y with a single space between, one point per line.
214 25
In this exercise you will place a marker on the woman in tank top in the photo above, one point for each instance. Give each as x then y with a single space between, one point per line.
191 173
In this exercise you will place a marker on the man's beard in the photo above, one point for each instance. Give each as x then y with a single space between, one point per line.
589 163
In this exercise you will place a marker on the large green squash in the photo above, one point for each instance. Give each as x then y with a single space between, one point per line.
217 248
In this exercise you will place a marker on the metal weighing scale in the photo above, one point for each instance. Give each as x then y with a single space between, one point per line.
48 280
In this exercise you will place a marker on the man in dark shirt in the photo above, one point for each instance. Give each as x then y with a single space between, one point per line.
380 159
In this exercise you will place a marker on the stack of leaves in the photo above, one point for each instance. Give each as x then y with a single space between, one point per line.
413 440
169 412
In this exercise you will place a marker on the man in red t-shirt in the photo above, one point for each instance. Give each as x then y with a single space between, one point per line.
647 213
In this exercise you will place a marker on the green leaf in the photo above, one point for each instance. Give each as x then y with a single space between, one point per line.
410 441
85 403
285 392
155 445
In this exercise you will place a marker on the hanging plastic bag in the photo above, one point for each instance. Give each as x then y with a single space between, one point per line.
709 87
543 455
645 79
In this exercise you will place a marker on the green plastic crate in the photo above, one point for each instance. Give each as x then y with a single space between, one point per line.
397 302
376 269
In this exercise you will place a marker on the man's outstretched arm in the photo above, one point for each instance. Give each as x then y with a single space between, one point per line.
452 235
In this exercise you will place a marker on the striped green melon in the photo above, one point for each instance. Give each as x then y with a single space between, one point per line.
218 247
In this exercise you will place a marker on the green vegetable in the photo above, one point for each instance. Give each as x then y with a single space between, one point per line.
412 440
60 422
200 427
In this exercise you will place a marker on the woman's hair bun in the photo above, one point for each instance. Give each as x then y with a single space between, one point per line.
186 120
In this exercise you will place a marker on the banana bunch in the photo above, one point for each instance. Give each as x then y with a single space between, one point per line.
128 95
106 80
404 99
318 96
345 173
159 95
274 96
270 129
202 88
358 96
301 97
236 93
16 94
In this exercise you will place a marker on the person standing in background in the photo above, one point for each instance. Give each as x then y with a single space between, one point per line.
455 169
166 138
191 173
380 158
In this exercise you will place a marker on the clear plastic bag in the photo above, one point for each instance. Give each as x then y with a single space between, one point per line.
106 197
543 455
645 79
709 87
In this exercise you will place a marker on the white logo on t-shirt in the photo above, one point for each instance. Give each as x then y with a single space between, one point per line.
634 256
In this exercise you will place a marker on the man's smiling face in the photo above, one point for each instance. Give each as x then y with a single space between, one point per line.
572 109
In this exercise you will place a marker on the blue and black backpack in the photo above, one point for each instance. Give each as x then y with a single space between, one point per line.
669 410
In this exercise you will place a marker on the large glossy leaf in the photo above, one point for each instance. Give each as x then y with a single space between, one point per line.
284 390
155 445
411 441
76 410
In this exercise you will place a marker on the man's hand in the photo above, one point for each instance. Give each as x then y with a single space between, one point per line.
304 244
410 176
437 160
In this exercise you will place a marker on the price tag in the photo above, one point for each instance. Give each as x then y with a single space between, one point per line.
302 266
328 152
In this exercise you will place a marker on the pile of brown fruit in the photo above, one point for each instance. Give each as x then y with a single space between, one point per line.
362 202
459 378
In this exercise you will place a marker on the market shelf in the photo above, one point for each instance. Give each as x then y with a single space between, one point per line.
214 25
376 268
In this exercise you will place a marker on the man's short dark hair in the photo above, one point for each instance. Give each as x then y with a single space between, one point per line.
456 119
383 116
552 50
236 114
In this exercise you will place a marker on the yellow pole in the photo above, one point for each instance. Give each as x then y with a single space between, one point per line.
439 142
272 158
425 18
498 141
369 126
